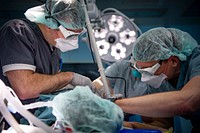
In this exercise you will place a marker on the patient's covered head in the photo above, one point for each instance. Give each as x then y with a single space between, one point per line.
87 112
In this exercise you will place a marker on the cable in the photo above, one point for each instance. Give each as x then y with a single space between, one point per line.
123 80
42 1
106 75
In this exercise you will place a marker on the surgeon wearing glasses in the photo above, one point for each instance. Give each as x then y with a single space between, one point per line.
30 48
167 54
127 78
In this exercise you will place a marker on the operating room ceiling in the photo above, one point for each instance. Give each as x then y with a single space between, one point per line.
145 12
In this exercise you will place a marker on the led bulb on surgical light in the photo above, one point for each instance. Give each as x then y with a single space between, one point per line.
115 23
100 33
103 47
118 51
127 36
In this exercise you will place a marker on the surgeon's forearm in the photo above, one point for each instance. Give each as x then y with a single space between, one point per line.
51 83
166 104
155 105
27 84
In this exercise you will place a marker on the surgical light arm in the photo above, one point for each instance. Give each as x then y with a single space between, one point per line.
96 52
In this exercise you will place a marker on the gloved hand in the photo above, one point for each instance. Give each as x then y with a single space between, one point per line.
101 92
80 80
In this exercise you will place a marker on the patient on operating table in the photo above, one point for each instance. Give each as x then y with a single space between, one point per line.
80 110
84 111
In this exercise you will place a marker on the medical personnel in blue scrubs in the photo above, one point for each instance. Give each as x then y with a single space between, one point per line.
167 54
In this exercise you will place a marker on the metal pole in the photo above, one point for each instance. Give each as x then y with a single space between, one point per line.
96 52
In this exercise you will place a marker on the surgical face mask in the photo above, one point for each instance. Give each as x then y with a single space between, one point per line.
67 44
154 81
70 42
148 76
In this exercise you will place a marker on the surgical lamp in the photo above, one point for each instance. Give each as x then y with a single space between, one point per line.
111 35
115 35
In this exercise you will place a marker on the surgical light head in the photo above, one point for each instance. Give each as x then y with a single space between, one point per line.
68 13
161 43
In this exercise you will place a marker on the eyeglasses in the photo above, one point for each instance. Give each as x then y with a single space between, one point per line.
150 70
67 33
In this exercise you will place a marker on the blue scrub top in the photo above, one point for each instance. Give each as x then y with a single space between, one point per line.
23 47
190 69
134 87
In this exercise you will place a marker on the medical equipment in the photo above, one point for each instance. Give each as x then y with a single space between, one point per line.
115 36
114 32
96 52
10 102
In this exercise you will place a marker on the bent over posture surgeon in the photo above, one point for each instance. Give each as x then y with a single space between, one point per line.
30 52
30 48
124 79
167 54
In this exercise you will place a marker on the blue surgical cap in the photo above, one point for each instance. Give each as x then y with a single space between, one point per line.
68 13
87 112
161 43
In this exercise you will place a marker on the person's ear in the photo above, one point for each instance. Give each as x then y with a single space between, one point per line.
52 32
48 29
174 61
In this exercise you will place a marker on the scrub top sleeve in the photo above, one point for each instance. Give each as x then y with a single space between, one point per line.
194 64
112 70
16 46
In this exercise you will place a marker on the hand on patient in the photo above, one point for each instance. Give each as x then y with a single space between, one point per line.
80 80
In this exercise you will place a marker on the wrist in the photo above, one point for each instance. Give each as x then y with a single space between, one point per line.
115 98
69 77
117 101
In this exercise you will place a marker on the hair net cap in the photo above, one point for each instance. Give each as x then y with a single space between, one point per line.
68 13
87 112
161 43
